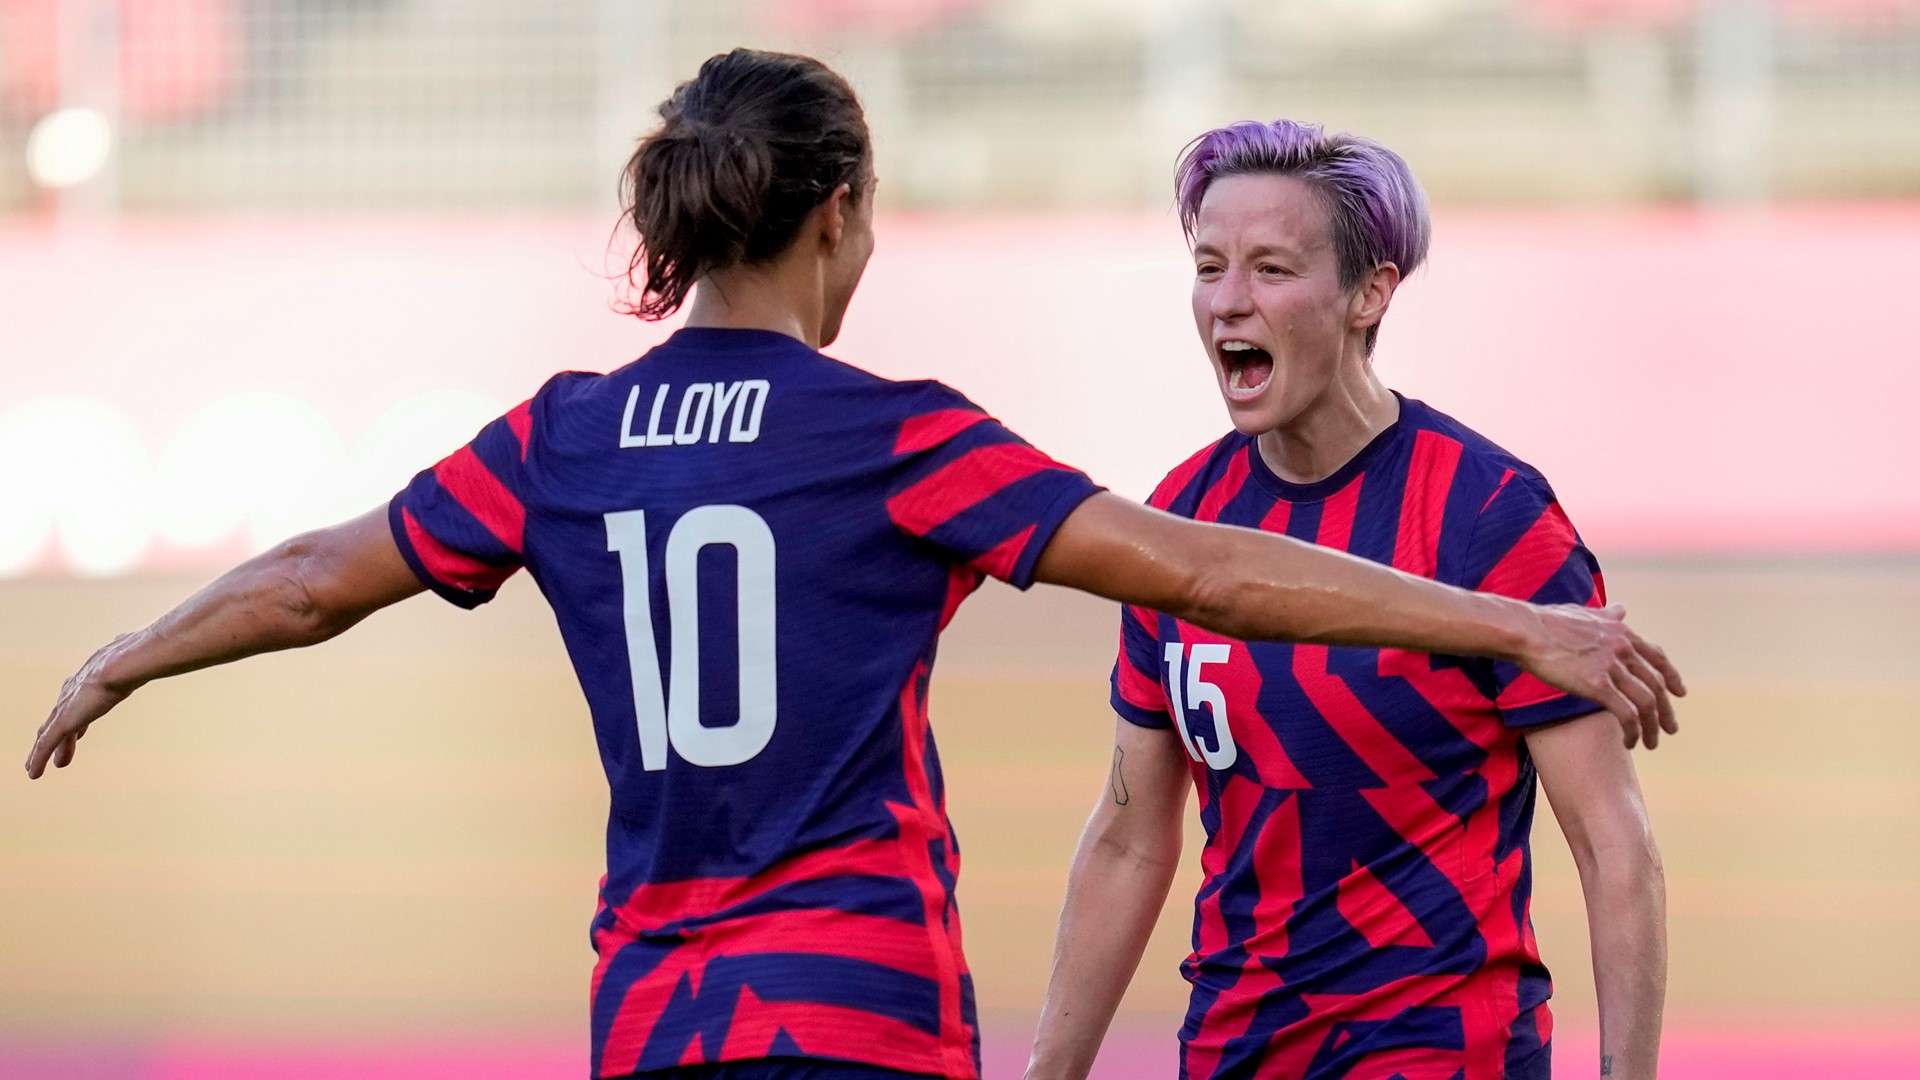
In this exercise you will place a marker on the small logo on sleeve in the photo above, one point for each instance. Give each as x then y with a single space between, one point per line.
706 411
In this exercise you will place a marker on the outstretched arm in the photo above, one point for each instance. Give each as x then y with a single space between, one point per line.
304 591
1590 781
1250 584
1115 890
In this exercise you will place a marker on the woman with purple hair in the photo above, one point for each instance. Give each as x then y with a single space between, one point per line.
1367 874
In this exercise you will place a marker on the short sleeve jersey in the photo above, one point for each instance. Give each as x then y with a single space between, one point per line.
750 549
1367 876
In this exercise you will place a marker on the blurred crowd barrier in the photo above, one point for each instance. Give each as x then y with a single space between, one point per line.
260 259
1693 381
303 105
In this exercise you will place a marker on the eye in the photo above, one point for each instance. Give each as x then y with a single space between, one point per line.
1208 269
1274 270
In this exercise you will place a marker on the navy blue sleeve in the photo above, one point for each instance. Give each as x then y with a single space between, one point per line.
977 491
461 524
1138 695
1524 547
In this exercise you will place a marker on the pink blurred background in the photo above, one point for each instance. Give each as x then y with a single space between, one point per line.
1694 380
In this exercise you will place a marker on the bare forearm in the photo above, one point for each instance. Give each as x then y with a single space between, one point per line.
1589 779
1113 899
1626 910
262 605
302 592
1255 585
1258 585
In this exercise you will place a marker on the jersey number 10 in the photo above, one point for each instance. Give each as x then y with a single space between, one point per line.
673 717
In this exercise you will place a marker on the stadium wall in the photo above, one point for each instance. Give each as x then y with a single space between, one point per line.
1693 381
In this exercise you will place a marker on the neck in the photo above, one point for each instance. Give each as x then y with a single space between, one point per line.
1353 409
780 297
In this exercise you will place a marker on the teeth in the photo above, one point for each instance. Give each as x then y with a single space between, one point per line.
1236 346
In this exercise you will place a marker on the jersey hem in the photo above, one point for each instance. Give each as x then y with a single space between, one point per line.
1546 712
1047 524
797 1059
397 526
1138 716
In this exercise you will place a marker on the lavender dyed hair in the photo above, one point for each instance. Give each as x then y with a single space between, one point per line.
1376 210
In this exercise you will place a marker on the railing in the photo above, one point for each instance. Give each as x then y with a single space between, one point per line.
194 106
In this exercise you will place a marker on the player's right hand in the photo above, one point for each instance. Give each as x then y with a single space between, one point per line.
87 696
1593 653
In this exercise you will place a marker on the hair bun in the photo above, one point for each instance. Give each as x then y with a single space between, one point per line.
746 150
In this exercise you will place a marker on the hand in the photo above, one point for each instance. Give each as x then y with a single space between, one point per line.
1593 653
86 697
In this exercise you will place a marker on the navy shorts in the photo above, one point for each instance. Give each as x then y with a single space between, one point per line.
792 1068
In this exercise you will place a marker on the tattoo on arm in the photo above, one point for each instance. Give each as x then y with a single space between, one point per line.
1117 780
1606 1064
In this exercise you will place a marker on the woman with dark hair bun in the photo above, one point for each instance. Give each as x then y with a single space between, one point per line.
745 153
751 549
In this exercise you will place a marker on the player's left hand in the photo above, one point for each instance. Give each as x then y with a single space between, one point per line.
87 696
1593 653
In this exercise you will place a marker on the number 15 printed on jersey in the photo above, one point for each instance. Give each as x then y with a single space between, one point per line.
1195 692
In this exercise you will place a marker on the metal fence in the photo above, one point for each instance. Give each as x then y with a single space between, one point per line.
195 106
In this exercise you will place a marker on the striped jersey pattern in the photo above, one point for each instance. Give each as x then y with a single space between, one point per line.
750 550
1364 911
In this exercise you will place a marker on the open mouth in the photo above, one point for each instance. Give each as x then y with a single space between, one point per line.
1249 367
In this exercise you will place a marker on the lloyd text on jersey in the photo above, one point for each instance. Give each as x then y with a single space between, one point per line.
706 409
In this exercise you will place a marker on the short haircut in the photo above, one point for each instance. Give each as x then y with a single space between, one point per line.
1377 211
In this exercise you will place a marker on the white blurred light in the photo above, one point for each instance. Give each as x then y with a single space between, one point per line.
69 147
262 466
266 463
415 434
27 523
80 473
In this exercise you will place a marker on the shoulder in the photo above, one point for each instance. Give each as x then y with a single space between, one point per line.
570 386
1481 468
928 413
877 395
1503 529
563 401
1518 540
1179 492
510 437
924 395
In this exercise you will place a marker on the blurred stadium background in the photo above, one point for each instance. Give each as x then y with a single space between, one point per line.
261 259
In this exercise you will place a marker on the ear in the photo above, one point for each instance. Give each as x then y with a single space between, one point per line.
1370 299
833 217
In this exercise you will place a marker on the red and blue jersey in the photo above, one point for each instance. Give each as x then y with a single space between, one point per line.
750 550
1367 877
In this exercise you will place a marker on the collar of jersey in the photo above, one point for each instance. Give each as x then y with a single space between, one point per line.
1341 477
728 338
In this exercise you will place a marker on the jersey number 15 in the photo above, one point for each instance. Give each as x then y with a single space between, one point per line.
673 716
1197 692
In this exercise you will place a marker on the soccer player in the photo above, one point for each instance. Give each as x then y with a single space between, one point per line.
750 549
1364 912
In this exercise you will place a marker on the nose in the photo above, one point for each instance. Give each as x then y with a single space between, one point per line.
1230 298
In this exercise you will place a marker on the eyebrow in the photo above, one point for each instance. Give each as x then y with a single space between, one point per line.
1252 253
